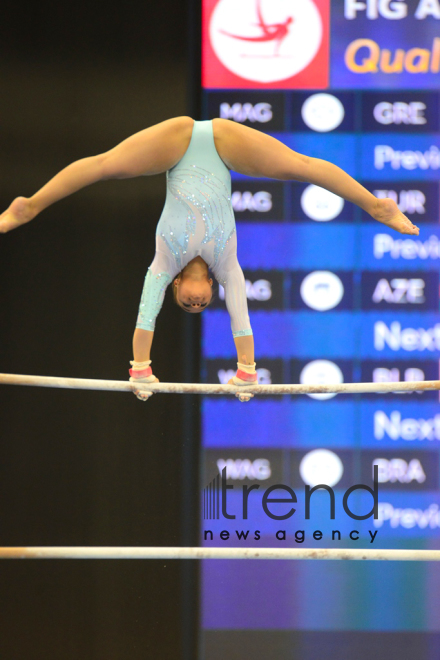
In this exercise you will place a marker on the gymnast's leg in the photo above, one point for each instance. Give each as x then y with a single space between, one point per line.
251 152
152 151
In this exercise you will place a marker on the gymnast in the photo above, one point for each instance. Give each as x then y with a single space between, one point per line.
196 231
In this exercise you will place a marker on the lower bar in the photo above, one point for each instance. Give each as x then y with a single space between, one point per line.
216 553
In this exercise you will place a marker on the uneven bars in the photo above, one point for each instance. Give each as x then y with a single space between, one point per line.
198 388
216 553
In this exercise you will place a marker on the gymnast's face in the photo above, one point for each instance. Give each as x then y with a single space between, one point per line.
193 295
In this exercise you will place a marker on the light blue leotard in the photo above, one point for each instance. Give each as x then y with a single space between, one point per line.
197 220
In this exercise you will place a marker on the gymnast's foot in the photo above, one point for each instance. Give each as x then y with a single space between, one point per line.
387 212
20 212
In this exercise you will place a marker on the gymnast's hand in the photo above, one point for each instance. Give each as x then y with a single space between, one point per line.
246 376
141 372
388 213
19 213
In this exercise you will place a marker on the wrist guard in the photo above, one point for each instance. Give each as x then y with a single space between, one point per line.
246 375
141 371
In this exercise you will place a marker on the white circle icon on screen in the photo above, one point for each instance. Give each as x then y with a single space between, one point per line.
322 290
320 204
321 372
322 112
265 40
321 466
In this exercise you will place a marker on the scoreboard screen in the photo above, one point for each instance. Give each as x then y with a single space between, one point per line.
333 297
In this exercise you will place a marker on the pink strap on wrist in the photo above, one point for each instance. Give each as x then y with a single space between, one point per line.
249 378
141 374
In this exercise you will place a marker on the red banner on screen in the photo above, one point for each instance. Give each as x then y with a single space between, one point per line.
265 44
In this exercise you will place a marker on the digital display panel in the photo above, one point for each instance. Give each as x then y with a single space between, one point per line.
333 297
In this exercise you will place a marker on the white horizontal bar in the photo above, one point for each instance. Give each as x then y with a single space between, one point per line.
198 388
216 553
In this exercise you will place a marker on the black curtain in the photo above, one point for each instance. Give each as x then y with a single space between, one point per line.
77 467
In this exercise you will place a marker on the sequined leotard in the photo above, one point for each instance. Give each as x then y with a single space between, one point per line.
197 220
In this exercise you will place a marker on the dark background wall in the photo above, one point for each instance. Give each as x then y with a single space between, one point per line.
90 468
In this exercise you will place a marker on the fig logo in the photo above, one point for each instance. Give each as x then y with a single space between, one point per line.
266 41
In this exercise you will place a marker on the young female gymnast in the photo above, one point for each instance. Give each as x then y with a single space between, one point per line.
196 230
